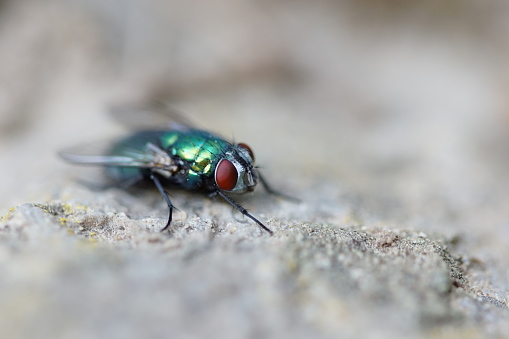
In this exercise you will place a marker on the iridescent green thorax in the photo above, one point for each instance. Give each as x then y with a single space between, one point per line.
200 149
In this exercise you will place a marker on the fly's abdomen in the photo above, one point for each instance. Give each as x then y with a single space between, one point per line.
133 146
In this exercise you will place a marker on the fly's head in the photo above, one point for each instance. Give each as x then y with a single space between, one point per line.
235 172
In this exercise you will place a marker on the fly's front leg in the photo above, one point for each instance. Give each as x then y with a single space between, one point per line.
160 187
243 210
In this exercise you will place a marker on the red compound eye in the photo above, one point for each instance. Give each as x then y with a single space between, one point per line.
226 175
243 145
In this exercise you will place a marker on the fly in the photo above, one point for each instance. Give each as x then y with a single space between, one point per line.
182 156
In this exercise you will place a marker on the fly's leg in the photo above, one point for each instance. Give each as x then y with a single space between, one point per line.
272 191
160 187
243 211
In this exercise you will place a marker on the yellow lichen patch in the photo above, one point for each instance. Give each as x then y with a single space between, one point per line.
64 212
68 209
43 207
8 215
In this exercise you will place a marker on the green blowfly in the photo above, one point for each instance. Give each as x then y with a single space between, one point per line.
180 155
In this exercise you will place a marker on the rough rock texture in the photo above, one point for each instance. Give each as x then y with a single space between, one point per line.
73 270
388 120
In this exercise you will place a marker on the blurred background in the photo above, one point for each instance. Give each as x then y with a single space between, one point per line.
395 112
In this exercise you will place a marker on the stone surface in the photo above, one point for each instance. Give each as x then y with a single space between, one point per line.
95 269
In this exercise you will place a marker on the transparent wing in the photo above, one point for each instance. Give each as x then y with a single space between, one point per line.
97 154
153 115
